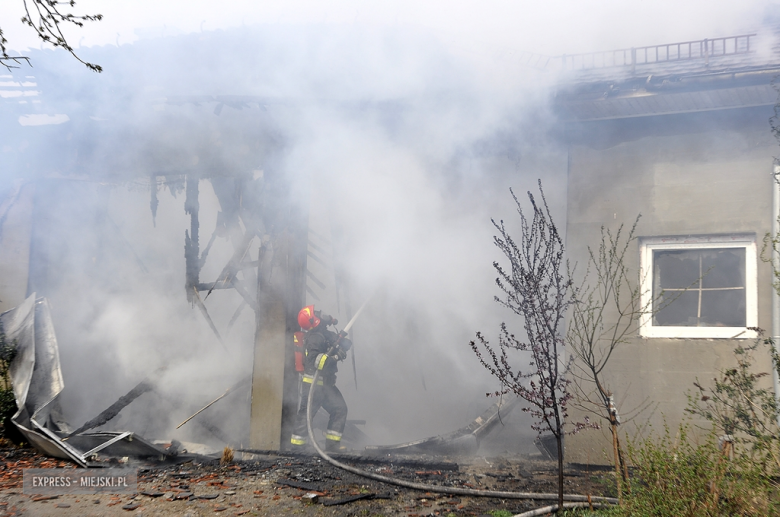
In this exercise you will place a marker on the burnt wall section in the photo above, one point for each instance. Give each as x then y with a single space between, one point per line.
412 196
192 239
256 212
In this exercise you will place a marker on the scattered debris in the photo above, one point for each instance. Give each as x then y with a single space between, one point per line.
345 500
240 384
297 484
548 446
463 441
417 462
44 497
36 378
310 498
37 382
274 484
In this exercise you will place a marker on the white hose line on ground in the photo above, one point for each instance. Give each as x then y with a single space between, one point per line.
435 488
554 508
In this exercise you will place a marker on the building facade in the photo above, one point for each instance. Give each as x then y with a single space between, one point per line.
682 138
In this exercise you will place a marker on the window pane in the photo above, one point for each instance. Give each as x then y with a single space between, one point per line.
676 269
723 308
679 309
723 267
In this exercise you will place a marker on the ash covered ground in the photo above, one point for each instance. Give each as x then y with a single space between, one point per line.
297 484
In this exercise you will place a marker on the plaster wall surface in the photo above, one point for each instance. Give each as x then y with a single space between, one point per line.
685 175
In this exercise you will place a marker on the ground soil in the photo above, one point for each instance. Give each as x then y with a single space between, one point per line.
278 484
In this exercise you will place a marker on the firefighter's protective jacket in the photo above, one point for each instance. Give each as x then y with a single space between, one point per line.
317 342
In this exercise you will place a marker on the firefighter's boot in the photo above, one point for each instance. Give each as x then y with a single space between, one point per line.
300 444
334 447
333 442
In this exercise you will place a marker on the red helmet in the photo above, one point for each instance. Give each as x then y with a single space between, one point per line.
307 319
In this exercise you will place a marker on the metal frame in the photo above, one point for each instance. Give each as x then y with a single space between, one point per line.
681 51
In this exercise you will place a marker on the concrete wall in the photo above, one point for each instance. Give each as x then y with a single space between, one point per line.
685 174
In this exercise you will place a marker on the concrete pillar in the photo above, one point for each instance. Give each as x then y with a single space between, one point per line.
270 344
16 212
281 283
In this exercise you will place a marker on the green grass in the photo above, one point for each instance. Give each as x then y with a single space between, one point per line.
501 513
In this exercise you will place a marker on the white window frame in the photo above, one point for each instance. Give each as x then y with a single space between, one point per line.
647 245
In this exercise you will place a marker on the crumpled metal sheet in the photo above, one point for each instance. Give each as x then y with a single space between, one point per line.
37 381
36 378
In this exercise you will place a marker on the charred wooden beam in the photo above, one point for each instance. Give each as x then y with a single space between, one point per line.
154 202
236 314
231 389
191 247
238 286
312 293
195 299
113 410
205 254
319 283
232 268
205 286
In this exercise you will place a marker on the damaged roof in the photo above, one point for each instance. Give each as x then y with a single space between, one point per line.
683 77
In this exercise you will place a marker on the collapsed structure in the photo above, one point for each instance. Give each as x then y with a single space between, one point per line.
258 242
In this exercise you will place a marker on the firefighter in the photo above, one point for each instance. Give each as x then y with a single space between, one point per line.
318 340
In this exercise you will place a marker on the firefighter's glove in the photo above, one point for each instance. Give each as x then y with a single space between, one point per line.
341 354
344 343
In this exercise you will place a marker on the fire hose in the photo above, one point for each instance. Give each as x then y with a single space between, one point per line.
434 488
